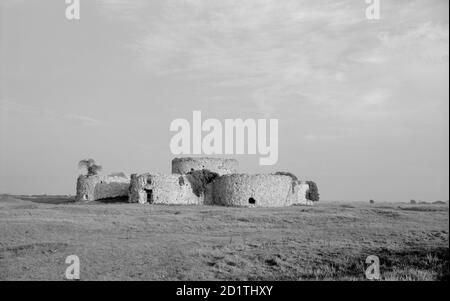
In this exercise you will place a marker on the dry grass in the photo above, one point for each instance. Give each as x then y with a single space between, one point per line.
146 242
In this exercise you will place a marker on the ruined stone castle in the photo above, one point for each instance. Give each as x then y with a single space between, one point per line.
198 181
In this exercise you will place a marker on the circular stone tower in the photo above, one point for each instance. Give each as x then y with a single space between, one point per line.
260 190
217 165
86 188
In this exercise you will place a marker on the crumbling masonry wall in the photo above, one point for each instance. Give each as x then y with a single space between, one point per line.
261 190
302 190
164 189
199 181
217 165
95 187
238 190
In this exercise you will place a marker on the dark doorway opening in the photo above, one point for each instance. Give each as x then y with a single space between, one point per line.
252 201
149 195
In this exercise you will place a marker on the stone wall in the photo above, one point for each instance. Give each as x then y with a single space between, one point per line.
190 184
164 189
217 165
95 187
302 189
263 190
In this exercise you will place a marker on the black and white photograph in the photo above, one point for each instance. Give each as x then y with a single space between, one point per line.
224 146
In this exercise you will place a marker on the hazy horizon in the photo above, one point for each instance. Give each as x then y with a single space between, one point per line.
362 105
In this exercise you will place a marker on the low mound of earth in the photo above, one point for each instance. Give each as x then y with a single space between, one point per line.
120 241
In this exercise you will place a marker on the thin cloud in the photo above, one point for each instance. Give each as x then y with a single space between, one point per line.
14 107
84 120
283 52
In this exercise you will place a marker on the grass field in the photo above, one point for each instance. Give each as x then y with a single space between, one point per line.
143 242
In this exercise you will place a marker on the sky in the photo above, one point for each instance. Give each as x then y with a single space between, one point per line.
362 104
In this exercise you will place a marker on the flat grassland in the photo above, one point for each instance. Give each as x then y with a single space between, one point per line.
120 241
